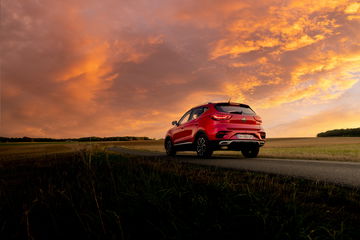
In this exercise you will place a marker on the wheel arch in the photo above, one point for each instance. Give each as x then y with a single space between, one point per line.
198 133
167 137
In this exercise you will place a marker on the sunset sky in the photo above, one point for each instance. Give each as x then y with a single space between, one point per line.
75 68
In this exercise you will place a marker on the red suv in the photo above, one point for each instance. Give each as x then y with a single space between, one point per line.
217 126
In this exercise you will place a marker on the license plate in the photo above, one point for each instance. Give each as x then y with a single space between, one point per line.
245 136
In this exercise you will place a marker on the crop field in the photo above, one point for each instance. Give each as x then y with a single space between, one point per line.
23 151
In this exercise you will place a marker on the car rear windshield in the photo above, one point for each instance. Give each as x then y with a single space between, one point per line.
235 109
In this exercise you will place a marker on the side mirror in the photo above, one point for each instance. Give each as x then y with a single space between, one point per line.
174 123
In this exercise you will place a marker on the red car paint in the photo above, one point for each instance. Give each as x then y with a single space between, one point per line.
222 126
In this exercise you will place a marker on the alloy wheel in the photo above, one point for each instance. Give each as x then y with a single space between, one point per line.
201 146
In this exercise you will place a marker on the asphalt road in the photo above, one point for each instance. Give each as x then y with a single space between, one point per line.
344 173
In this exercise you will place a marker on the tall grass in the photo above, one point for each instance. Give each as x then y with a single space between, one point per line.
95 195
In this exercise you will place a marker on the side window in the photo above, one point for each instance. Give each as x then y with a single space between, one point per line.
196 113
184 118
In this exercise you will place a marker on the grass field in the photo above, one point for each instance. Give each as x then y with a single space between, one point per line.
91 194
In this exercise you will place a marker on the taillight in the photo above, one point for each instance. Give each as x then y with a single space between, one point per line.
263 135
258 119
219 117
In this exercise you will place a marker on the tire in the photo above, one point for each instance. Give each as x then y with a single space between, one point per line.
250 152
169 147
202 146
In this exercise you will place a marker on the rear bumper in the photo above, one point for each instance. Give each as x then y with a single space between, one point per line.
228 134
238 141
236 144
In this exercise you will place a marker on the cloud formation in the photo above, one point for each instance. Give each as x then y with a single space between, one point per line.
84 67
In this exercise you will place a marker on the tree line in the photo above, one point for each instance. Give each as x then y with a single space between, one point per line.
83 139
348 132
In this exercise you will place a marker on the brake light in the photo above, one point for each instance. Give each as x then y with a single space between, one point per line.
258 119
219 117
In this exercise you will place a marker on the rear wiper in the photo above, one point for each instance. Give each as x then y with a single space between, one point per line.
236 112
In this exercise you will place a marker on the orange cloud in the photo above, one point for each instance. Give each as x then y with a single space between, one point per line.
299 27
83 79
288 28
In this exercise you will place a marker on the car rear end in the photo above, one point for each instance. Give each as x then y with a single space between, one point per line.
234 126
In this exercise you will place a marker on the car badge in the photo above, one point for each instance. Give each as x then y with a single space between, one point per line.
243 119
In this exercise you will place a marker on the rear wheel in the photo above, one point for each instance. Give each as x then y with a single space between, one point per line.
169 147
250 152
203 148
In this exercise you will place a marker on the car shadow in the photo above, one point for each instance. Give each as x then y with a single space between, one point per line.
214 157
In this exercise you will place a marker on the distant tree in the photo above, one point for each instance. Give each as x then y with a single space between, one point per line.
349 132
27 139
83 139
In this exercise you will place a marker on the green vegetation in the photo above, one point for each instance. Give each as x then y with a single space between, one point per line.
349 132
93 194
83 139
